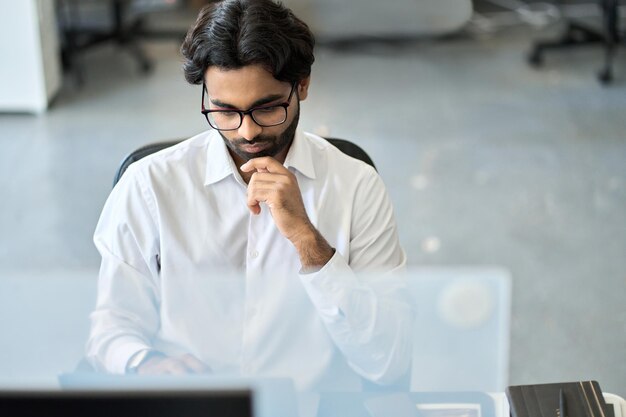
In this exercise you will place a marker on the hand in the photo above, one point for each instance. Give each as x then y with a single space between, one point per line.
277 187
165 365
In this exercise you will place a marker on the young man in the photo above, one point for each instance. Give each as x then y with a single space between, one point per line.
295 216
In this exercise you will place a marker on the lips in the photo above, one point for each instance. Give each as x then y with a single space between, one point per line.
255 148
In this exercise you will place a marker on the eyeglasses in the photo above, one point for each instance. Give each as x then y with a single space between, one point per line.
231 119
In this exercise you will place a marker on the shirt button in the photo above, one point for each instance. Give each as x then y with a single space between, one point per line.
254 254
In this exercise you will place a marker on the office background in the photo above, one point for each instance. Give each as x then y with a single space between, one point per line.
487 160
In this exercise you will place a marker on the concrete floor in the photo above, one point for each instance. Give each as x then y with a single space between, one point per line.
487 161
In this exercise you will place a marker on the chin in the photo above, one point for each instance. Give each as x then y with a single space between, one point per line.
248 156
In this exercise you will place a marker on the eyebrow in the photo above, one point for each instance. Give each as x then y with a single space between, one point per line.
259 102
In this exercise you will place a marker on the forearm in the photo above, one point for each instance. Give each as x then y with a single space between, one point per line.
313 249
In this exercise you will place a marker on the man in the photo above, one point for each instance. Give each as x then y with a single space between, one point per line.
254 194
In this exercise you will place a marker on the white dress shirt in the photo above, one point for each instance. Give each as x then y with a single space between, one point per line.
176 226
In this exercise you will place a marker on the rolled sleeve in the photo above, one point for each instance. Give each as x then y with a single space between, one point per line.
367 315
327 287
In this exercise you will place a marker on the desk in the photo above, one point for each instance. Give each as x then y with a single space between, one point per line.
268 401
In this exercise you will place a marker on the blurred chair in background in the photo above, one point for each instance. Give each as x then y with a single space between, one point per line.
87 24
610 36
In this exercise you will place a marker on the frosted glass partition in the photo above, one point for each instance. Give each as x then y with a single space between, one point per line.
460 340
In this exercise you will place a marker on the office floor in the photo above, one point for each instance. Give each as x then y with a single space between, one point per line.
487 161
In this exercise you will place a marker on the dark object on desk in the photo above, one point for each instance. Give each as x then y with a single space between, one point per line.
579 34
231 403
566 399
562 404
343 145
124 30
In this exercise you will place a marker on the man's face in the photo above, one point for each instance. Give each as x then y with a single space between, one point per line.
249 87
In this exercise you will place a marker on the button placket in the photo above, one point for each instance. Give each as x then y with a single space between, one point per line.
254 232
253 265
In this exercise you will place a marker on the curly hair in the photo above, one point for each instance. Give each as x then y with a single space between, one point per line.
231 34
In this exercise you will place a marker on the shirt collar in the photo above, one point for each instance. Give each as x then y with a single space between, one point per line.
300 155
220 164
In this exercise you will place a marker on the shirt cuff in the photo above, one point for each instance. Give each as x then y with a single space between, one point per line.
328 286
121 353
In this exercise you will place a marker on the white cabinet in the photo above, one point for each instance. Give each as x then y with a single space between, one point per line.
30 70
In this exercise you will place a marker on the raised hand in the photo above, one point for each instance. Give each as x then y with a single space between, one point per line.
277 187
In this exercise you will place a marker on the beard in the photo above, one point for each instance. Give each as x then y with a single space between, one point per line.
273 145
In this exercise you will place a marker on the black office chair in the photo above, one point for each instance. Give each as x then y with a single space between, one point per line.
343 145
125 29
610 36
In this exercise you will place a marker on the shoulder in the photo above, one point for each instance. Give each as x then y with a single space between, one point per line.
339 156
192 148
184 155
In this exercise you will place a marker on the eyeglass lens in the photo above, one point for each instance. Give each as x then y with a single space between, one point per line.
231 120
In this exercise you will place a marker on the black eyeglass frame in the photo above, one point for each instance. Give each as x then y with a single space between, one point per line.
243 113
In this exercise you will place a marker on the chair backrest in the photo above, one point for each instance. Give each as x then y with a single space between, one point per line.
343 145
352 149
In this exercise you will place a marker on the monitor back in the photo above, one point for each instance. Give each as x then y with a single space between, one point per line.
126 403
461 329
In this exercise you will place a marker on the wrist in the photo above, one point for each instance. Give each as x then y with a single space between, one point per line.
139 358
304 236
313 249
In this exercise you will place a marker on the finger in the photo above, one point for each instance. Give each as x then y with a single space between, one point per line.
256 196
177 367
253 204
255 209
153 365
269 182
195 364
166 366
269 178
264 163
259 195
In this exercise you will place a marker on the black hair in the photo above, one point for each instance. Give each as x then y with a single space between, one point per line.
231 34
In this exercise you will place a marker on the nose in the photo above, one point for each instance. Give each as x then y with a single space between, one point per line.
249 129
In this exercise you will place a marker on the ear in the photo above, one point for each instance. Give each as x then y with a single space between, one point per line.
303 88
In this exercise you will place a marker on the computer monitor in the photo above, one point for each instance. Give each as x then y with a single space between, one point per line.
461 329
270 397
125 403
